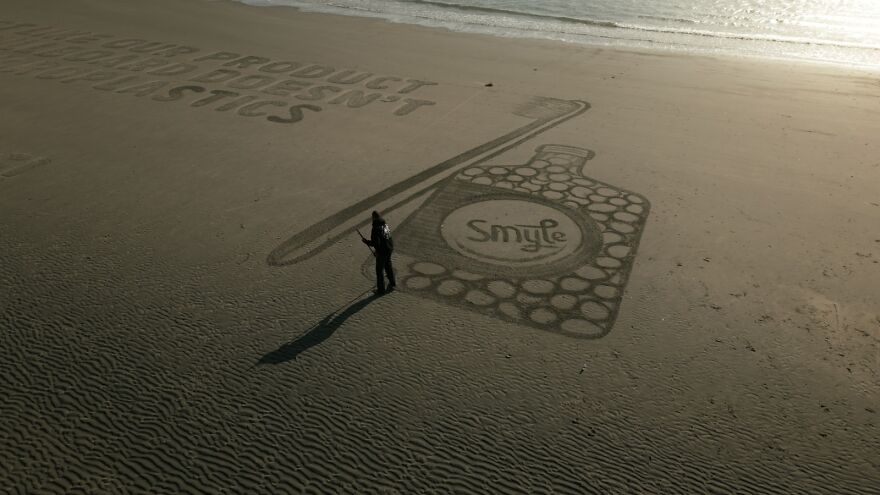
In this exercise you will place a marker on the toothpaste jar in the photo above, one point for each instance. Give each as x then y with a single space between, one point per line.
540 243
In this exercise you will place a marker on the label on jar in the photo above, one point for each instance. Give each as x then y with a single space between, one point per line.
511 232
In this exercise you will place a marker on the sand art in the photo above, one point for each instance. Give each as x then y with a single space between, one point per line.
257 86
669 289
539 243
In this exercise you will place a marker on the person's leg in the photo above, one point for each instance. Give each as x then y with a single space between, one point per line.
390 271
380 278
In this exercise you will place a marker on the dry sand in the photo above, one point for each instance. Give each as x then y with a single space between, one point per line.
157 337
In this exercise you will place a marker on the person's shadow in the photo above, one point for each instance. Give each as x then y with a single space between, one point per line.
319 332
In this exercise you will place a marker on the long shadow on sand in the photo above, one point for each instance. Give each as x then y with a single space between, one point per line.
319 332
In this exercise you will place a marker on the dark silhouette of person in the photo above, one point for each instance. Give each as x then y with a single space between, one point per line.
380 240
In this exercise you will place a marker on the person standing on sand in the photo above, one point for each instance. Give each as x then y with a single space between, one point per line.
380 240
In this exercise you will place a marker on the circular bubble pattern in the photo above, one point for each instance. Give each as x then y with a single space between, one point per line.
581 302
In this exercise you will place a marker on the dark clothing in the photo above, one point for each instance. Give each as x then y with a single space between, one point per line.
380 237
380 240
383 263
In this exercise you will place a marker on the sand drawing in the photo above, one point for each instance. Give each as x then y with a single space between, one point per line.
540 243
280 91
543 113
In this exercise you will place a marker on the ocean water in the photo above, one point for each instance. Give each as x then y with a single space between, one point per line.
835 31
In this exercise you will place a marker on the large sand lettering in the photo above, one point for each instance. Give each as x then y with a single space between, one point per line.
279 91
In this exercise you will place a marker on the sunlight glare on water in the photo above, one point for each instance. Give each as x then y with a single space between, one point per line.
838 31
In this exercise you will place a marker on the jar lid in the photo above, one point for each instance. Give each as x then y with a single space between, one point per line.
568 150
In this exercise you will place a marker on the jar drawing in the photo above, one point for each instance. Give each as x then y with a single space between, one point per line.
541 243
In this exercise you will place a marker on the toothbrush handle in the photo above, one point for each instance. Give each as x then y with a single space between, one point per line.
321 235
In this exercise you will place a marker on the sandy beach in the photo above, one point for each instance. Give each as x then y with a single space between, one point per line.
618 271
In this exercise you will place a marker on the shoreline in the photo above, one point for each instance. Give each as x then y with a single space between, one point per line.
661 48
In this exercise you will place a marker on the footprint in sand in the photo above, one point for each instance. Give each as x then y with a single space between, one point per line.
12 164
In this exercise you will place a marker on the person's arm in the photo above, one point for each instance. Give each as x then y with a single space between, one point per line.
372 240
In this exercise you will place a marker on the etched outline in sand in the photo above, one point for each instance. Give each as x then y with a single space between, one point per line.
577 295
546 113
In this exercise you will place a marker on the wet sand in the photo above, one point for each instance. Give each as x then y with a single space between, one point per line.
693 306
